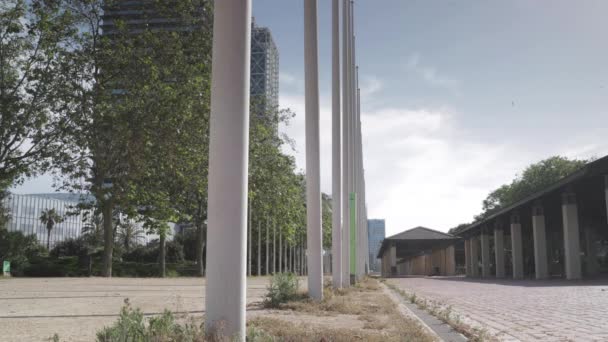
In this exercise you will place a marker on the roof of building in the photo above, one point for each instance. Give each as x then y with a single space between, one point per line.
421 233
597 167
418 236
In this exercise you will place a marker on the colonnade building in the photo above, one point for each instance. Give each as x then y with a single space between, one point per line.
560 231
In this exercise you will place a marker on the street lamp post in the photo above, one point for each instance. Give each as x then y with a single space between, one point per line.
228 162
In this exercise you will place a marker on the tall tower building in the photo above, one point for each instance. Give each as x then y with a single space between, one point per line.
141 15
264 71
376 232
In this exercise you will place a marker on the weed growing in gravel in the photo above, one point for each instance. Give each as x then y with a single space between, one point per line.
283 288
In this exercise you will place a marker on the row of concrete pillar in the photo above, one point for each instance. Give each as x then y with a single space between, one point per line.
572 259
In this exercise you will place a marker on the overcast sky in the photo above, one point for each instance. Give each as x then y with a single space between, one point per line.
457 96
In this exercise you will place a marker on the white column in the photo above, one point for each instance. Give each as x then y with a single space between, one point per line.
336 166
540 242
516 248
467 257
572 252
313 184
606 193
450 260
485 255
345 145
499 251
474 257
228 161
393 261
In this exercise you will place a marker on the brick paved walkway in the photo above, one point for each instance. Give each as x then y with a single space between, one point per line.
528 310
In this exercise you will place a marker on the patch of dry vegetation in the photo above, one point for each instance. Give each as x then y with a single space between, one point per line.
446 315
378 315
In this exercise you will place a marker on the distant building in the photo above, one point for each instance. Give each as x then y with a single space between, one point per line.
141 15
25 211
264 79
376 232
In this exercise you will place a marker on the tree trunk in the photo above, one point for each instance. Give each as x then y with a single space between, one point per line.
267 270
259 249
249 238
48 240
108 239
162 254
274 248
280 252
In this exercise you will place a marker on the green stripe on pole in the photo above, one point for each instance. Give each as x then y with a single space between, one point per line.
353 233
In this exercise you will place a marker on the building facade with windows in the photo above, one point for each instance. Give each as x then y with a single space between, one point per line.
264 79
376 232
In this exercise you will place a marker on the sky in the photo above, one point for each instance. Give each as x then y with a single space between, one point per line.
457 97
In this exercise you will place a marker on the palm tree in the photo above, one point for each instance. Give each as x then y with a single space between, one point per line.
129 234
93 231
49 218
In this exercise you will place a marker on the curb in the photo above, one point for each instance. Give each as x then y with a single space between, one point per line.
438 328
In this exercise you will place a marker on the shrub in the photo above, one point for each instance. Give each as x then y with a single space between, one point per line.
150 253
132 327
283 287
19 249
70 247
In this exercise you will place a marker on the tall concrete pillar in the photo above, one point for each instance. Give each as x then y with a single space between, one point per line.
450 264
225 293
572 252
517 250
313 170
393 260
485 255
467 257
336 168
346 119
540 242
474 257
606 193
591 259
499 251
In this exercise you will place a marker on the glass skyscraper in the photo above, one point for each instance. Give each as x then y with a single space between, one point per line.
264 71
376 233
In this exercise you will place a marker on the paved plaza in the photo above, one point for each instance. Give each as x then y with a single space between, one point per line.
33 309
528 310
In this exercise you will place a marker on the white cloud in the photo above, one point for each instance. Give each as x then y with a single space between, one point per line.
430 74
369 86
418 170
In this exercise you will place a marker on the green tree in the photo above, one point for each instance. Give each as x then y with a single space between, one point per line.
534 178
34 39
49 217
132 100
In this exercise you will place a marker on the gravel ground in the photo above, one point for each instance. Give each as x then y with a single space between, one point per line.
33 309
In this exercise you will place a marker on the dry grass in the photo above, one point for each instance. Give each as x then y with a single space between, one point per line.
445 314
376 318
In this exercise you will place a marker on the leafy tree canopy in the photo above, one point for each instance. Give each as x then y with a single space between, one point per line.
534 178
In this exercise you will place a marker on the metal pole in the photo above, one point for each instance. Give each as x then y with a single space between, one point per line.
336 154
267 270
313 184
228 161
345 145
